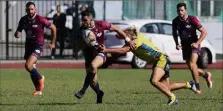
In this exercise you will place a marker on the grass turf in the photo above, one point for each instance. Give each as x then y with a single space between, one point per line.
125 90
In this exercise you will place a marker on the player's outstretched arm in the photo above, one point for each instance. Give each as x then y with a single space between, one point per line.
53 35
122 50
124 36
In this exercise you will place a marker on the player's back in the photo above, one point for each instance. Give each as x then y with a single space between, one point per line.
146 50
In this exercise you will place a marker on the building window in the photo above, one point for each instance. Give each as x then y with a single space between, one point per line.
205 8
218 8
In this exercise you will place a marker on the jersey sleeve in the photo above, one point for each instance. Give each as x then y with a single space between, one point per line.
106 25
20 26
174 27
45 22
195 22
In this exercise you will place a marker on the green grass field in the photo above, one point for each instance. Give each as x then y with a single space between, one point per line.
125 90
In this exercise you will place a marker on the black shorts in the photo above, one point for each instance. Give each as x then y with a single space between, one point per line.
187 50
34 50
90 54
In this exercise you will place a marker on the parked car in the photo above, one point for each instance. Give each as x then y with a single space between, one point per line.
158 32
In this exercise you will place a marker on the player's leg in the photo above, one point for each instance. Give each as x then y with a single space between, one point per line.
34 80
207 76
192 63
158 73
178 85
98 60
90 79
31 56
36 77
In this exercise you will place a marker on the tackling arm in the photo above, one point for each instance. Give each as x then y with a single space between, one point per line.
122 50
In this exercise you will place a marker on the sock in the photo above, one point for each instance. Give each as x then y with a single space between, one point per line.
188 84
96 88
197 86
88 80
172 97
205 75
36 74
34 80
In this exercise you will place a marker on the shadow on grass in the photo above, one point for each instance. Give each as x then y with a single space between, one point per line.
52 103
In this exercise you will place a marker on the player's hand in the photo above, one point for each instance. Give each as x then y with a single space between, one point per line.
102 48
51 46
194 45
178 47
132 44
17 34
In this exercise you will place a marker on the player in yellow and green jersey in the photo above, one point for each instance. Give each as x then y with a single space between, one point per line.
147 51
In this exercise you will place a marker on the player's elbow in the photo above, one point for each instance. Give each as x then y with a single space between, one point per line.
204 32
53 28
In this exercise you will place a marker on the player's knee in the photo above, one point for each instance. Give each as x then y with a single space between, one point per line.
94 82
94 67
192 64
153 81
28 66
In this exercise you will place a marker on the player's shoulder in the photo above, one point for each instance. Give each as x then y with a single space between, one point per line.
100 22
39 17
192 17
24 17
176 19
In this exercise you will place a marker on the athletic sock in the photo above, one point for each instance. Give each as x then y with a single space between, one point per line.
197 86
34 80
88 80
205 75
36 74
96 88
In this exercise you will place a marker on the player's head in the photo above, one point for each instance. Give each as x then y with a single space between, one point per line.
182 10
83 8
58 9
87 19
131 32
30 9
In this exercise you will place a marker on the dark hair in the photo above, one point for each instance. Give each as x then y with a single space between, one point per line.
181 5
30 3
58 6
86 13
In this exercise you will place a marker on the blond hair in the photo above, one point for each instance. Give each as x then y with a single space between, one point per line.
131 32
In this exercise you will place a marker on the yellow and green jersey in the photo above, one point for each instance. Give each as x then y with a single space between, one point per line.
146 50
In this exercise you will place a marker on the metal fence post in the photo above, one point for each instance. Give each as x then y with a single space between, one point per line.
7 27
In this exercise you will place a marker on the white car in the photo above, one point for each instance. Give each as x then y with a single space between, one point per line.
158 32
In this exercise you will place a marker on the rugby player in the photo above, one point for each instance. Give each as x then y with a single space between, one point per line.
33 25
185 26
93 57
147 51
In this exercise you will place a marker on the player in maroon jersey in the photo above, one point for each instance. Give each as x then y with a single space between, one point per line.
93 57
185 26
33 25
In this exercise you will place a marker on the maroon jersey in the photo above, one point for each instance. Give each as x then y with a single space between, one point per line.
98 30
34 28
186 29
